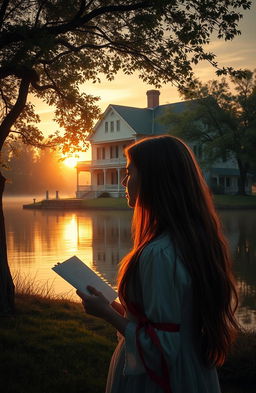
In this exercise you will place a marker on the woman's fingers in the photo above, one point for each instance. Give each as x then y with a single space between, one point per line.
93 290
82 295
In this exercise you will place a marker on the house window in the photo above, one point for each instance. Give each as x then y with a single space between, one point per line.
214 181
112 126
118 125
100 153
106 126
114 151
114 177
221 180
227 181
100 179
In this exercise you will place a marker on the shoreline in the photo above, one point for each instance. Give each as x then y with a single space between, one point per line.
222 202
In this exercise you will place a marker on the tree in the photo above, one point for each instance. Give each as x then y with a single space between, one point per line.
50 48
32 171
221 118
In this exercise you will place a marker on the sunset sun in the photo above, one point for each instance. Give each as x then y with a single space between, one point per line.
70 162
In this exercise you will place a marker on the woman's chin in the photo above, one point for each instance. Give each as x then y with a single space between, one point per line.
130 203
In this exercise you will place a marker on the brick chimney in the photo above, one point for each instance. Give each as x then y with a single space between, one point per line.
153 98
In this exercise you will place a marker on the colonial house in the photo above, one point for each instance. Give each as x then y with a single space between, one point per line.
123 125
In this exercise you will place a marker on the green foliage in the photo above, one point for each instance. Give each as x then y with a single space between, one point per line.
50 48
53 346
222 118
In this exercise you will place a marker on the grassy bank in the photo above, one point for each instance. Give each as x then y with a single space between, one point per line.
111 203
235 201
221 202
52 346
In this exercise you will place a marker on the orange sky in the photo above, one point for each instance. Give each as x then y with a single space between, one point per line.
131 91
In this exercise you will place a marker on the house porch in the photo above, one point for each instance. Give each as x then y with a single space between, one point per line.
103 179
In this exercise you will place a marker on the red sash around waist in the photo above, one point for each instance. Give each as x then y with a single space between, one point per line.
162 380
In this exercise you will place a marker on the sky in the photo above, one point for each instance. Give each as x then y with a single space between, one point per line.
131 91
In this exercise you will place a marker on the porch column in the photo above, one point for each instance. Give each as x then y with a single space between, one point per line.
104 174
118 179
77 180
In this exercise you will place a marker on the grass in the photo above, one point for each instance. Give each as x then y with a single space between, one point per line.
221 202
52 346
111 203
235 201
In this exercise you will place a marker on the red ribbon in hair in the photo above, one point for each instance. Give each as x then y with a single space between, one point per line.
143 322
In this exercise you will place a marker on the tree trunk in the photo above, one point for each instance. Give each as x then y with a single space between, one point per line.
242 178
6 282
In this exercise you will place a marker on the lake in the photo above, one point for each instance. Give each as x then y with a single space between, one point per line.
37 240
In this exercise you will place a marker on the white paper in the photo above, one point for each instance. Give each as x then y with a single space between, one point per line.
78 274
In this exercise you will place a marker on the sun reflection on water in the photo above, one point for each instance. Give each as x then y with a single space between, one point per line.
40 239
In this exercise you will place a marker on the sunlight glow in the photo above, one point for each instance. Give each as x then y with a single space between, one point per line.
70 162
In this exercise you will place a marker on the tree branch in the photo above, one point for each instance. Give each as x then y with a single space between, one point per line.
84 46
3 11
15 111
9 38
39 12
4 100
32 141
19 71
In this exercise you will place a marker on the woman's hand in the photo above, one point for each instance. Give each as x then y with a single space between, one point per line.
99 306
96 304
118 307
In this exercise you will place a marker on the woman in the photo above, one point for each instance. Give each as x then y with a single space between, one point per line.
176 317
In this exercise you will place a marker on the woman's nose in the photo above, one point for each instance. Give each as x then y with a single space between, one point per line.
123 182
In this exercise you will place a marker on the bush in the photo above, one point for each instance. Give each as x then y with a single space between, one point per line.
217 189
104 195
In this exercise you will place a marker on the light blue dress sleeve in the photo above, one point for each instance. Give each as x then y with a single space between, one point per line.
163 282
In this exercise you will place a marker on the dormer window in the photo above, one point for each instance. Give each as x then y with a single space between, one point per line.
118 125
112 126
106 126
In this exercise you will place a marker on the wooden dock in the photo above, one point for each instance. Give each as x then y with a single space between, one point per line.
63 204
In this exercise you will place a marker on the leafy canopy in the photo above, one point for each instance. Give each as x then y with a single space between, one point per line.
221 117
50 48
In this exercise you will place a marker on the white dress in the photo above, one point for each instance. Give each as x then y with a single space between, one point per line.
166 295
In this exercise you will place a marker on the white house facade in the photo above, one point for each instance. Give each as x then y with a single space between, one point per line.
121 126
107 167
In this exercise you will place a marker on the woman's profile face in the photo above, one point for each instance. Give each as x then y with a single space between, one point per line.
131 183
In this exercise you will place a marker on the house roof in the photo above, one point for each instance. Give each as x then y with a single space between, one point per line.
145 121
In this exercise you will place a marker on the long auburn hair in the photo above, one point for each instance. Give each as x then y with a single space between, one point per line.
174 197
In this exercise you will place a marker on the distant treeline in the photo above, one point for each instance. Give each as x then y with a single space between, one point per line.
32 171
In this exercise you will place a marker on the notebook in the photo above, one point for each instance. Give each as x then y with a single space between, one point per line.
79 275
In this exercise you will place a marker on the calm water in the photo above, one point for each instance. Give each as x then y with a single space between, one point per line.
39 239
